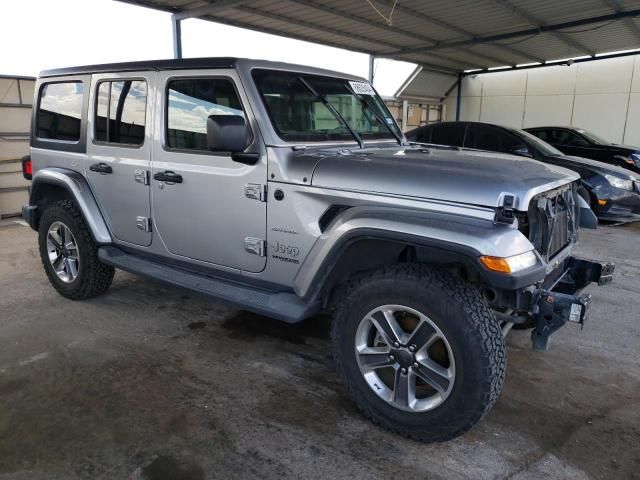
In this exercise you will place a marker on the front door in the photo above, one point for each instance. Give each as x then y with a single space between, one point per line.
213 210
119 152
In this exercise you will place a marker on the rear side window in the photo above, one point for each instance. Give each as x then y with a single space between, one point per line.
60 111
121 112
448 134
190 102
543 135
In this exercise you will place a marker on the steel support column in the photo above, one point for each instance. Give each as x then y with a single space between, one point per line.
372 61
177 36
459 98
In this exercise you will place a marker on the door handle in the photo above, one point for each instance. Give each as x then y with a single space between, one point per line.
101 168
168 176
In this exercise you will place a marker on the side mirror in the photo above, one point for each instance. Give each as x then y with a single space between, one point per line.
226 133
521 150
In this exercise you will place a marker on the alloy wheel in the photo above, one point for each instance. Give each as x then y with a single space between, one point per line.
405 358
63 252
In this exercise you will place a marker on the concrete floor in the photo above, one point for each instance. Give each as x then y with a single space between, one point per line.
148 382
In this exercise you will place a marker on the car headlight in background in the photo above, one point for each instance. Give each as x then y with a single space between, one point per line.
619 182
510 264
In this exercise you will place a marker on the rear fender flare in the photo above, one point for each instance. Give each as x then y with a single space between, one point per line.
78 189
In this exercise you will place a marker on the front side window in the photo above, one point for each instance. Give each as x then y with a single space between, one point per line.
60 111
448 134
592 137
189 104
542 146
121 112
565 137
296 104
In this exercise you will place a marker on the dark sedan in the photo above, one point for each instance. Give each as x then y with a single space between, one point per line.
581 143
612 192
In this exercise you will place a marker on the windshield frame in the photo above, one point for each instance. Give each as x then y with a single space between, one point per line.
384 136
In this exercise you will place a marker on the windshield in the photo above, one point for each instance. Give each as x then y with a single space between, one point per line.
592 136
541 145
298 115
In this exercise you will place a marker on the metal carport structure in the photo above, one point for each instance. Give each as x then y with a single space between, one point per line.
451 38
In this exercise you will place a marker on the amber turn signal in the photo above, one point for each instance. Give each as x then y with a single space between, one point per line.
509 264
495 264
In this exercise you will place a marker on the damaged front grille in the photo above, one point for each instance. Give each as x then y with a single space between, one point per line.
551 221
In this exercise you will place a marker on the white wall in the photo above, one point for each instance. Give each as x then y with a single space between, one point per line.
601 96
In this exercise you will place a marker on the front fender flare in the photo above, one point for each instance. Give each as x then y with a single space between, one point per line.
78 189
466 236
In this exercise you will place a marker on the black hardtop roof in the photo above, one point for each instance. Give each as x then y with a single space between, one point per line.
167 64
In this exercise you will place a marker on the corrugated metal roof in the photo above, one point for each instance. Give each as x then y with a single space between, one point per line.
451 36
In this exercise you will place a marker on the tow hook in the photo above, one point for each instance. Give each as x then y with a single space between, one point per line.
552 311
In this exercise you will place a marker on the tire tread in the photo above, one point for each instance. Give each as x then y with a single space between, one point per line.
99 276
482 325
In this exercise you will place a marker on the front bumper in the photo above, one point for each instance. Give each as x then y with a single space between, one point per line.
552 308
619 205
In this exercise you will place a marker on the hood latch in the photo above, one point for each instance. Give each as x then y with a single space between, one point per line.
505 213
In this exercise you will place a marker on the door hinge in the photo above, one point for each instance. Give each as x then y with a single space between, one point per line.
143 223
257 246
141 176
256 191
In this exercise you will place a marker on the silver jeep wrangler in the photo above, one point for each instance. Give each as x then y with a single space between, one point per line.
290 191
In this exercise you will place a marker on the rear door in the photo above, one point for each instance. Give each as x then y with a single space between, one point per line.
216 212
119 152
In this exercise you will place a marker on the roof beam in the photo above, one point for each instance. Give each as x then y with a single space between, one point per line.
563 37
448 26
333 31
306 38
312 26
210 9
371 23
616 6
522 33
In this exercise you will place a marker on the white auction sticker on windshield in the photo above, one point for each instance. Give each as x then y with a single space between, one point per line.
362 88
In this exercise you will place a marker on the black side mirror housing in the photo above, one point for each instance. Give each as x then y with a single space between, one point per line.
521 150
226 133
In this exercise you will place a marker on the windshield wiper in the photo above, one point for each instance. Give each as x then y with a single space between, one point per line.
335 112
364 102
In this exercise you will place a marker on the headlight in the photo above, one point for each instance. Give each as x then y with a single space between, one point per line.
510 264
619 182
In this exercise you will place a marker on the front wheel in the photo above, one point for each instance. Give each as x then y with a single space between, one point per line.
420 351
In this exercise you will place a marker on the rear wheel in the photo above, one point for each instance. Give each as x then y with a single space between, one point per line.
69 254
419 351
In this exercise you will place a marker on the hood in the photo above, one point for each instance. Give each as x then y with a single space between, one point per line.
461 176
586 164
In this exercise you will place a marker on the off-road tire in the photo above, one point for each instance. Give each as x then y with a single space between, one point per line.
94 278
467 321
